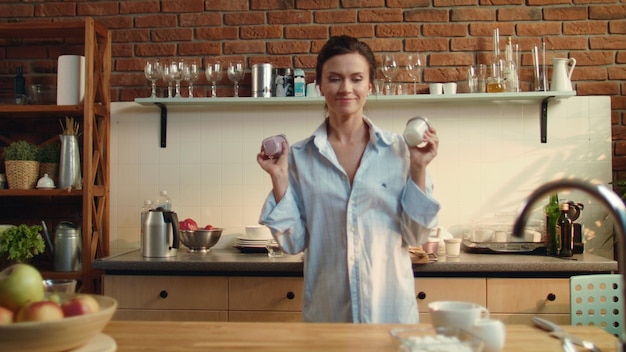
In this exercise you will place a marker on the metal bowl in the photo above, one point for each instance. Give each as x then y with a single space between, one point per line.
200 240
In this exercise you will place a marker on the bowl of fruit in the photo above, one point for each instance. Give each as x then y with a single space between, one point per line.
31 320
198 239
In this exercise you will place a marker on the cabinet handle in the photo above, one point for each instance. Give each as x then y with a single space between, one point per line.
163 294
421 295
291 295
551 297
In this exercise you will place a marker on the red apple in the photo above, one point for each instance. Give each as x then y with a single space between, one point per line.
20 284
40 311
208 227
79 305
6 316
188 224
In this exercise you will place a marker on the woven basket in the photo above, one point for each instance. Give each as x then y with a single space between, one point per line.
21 174
52 169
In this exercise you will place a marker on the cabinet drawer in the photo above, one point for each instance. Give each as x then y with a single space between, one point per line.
449 289
530 296
167 292
265 293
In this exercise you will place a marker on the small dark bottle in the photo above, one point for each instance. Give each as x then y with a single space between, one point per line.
20 87
564 228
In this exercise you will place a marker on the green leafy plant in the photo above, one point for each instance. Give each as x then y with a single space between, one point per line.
21 150
21 242
50 153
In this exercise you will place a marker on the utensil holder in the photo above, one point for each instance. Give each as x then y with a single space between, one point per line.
69 165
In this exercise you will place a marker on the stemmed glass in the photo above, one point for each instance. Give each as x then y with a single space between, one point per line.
176 73
191 73
236 72
152 70
213 74
415 61
389 70
167 78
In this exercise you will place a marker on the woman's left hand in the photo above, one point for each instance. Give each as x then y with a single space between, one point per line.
422 155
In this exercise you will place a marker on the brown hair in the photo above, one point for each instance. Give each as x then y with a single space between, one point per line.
339 45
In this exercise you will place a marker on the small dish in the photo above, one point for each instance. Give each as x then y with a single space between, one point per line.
45 182
432 340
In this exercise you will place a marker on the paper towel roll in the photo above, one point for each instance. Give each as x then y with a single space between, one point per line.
70 79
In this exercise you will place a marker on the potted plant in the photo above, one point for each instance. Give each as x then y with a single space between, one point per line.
21 243
21 161
49 157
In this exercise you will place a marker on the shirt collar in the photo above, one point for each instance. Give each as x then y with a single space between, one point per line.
378 137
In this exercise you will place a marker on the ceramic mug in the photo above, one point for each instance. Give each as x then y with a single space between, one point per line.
457 314
492 332
414 130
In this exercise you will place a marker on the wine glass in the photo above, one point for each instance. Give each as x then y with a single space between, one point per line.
389 70
191 73
213 74
167 78
236 72
415 61
176 73
152 70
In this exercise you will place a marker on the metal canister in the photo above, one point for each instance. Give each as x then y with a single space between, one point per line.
282 82
67 247
261 80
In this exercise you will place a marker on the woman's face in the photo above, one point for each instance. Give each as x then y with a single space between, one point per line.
345 84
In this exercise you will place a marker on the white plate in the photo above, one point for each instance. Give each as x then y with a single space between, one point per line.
248 239
100 343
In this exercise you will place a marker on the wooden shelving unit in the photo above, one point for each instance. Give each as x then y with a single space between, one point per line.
90 205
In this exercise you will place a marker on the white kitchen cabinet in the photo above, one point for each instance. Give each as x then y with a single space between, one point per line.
265 298
168 297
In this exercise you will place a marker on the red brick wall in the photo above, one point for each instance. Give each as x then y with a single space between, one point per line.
288 33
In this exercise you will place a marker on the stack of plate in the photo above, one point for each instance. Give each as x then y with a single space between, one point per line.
251 245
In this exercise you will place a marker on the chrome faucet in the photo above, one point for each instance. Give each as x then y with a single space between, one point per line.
604 195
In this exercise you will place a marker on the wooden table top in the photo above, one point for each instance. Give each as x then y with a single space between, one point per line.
230 336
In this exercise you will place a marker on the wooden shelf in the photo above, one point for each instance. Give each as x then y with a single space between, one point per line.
375 99
89 206
527 97
40 193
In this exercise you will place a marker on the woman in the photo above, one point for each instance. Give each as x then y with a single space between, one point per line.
353 197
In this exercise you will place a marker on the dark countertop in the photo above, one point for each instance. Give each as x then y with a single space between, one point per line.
232 262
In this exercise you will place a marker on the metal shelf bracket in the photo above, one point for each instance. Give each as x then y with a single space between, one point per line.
163 108
544 119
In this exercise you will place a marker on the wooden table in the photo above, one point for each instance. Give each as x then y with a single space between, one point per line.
211 336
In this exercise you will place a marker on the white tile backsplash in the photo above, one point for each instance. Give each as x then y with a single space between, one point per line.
490 158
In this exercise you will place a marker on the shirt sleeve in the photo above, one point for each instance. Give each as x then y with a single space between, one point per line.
285 221
419 212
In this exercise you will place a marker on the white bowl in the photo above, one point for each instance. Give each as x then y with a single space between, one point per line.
60 335
258 232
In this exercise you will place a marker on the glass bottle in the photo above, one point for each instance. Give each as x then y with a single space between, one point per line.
564 230
510 72
20 87
495 81
147 205
552 212
165 201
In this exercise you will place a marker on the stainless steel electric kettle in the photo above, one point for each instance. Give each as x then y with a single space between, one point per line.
160 237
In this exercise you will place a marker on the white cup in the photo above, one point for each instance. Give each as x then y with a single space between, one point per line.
492 332
414 130
456 314
435 88
453 247
312 90
449 88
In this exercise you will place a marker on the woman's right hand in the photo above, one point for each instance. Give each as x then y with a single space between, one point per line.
277 168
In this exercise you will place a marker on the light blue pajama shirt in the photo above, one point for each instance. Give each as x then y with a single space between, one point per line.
355 238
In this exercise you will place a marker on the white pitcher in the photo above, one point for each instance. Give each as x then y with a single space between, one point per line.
561 76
